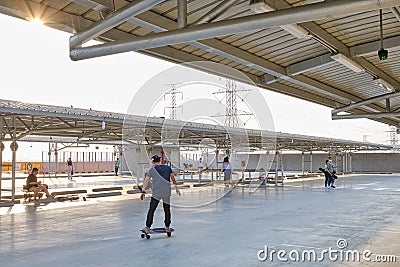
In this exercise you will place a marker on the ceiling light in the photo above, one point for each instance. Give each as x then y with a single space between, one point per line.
383 54
347 62
381 82
297 31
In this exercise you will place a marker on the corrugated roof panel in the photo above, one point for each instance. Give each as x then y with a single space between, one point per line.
250 37
195 9
75 9
344 79
179 46
199 52
129 27
55 4
240 9
233 64
304 89
361 28
270 43
138 31
256 72
189 48
235 37
92 15
295 53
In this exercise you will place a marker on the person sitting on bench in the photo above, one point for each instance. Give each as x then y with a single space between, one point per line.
34 186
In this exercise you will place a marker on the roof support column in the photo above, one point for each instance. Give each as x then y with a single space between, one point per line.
14 148
1 152
182 13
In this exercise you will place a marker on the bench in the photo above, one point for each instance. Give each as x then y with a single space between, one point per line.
28 195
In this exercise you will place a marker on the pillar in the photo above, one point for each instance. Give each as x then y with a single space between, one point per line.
14 148
1 152
56 159
276 166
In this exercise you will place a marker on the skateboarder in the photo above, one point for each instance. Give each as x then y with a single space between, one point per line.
161 177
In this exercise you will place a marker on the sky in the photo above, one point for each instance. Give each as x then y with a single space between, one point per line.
35 67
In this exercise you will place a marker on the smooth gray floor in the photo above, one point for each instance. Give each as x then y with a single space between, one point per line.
227 232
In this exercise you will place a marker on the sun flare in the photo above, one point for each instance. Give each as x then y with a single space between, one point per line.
37 21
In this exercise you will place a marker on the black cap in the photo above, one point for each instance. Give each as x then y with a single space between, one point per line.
155 158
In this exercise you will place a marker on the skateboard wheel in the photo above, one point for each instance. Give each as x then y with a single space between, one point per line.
142 235
169 234
84 198
148 236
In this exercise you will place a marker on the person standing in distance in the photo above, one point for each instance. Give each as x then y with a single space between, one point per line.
70 169
116 165
161 177
227 170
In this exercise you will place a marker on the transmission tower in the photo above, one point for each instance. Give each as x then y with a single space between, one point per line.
231 119
231 111
173 105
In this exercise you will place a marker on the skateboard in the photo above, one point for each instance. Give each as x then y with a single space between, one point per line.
69 197
155 231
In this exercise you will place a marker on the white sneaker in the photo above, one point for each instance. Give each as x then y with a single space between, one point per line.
146 230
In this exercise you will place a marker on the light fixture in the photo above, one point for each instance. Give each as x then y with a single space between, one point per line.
260 6
381 82
347 62
382 54
297 31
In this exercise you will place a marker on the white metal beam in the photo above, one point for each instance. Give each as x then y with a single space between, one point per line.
373 47
114 19
310 64
377 115
365 102
396 12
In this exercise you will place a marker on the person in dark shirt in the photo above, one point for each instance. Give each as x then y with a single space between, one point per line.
70 169
34 186
161 177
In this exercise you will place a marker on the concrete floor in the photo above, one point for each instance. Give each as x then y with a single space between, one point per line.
214 227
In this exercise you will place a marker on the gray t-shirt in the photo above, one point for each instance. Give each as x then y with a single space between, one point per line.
330 166
161 182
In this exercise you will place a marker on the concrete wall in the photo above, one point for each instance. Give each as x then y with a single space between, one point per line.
80 167
371 162
360 162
